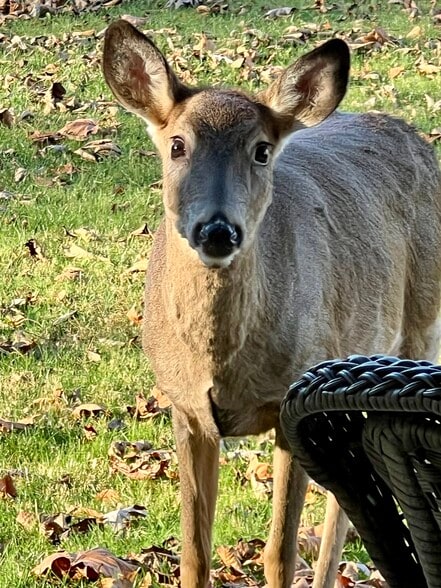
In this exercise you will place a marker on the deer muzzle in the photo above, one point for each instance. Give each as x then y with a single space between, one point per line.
217 238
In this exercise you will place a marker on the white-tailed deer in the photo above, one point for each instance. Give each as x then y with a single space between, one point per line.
271 259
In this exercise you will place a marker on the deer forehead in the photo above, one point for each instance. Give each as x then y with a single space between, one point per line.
225 114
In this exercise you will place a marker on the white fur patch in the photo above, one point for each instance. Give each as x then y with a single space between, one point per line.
217 262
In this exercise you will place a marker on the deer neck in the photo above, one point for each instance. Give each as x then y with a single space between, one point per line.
212 310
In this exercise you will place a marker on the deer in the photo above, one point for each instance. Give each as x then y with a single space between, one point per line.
293 233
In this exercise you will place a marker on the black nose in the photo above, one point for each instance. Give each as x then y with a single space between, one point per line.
218 237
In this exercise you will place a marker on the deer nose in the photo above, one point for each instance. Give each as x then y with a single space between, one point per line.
217 237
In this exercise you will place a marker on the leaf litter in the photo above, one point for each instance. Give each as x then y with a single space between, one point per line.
240 565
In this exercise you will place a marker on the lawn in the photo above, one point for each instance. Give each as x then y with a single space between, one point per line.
78 206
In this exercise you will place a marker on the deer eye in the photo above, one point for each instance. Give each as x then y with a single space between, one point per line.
262 153
177 148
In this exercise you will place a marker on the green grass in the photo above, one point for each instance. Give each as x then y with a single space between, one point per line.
113 197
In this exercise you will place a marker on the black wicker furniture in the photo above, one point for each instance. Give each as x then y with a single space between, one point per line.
369 430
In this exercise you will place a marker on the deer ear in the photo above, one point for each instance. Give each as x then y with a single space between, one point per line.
139 75
311 89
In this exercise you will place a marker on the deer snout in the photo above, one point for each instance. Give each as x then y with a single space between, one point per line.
218 237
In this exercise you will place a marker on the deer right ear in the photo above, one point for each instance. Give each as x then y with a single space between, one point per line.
139 75
311 89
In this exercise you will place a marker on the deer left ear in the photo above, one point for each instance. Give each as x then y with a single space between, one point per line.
311 89
139 75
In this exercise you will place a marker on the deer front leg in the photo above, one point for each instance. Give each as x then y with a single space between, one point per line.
334 535
290 482
198 458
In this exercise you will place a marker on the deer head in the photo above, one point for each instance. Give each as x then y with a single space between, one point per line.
218 146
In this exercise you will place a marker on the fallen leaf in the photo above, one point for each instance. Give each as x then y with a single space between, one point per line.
79 129
139 266
278 12
120 519
64 317
93 356
7 487
99 562
96 150
91 565
147 408
134 314
26 520
142 231
77 252
35 250
115 583
394 72
428 69
45 138
10 426
6 117
71 273
89 432
414 33
139 462
18 343
260 476
58 563
108 495
88 410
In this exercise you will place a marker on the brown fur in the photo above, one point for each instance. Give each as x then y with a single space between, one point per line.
341 254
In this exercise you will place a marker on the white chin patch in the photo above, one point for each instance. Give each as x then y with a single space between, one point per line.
216 262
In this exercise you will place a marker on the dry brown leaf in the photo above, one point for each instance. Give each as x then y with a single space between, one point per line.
414 33
10 426
18 343
77 252
108 495
119 519
35 250
85 155
92 565
139 266
99 562
161 398
229 557
26 520
58 563
309 540
142 231
71 273
45 138
134 314
278 12
88 410
139 461
394 72
79 129
7 487
379 36
96 150
428 69
115 583
147 408
60 525
6 117
93 356
89 432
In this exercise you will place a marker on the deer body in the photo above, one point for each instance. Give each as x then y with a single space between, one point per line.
264 266
328 276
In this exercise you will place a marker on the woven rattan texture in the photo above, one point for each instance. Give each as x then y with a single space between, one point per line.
368 428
